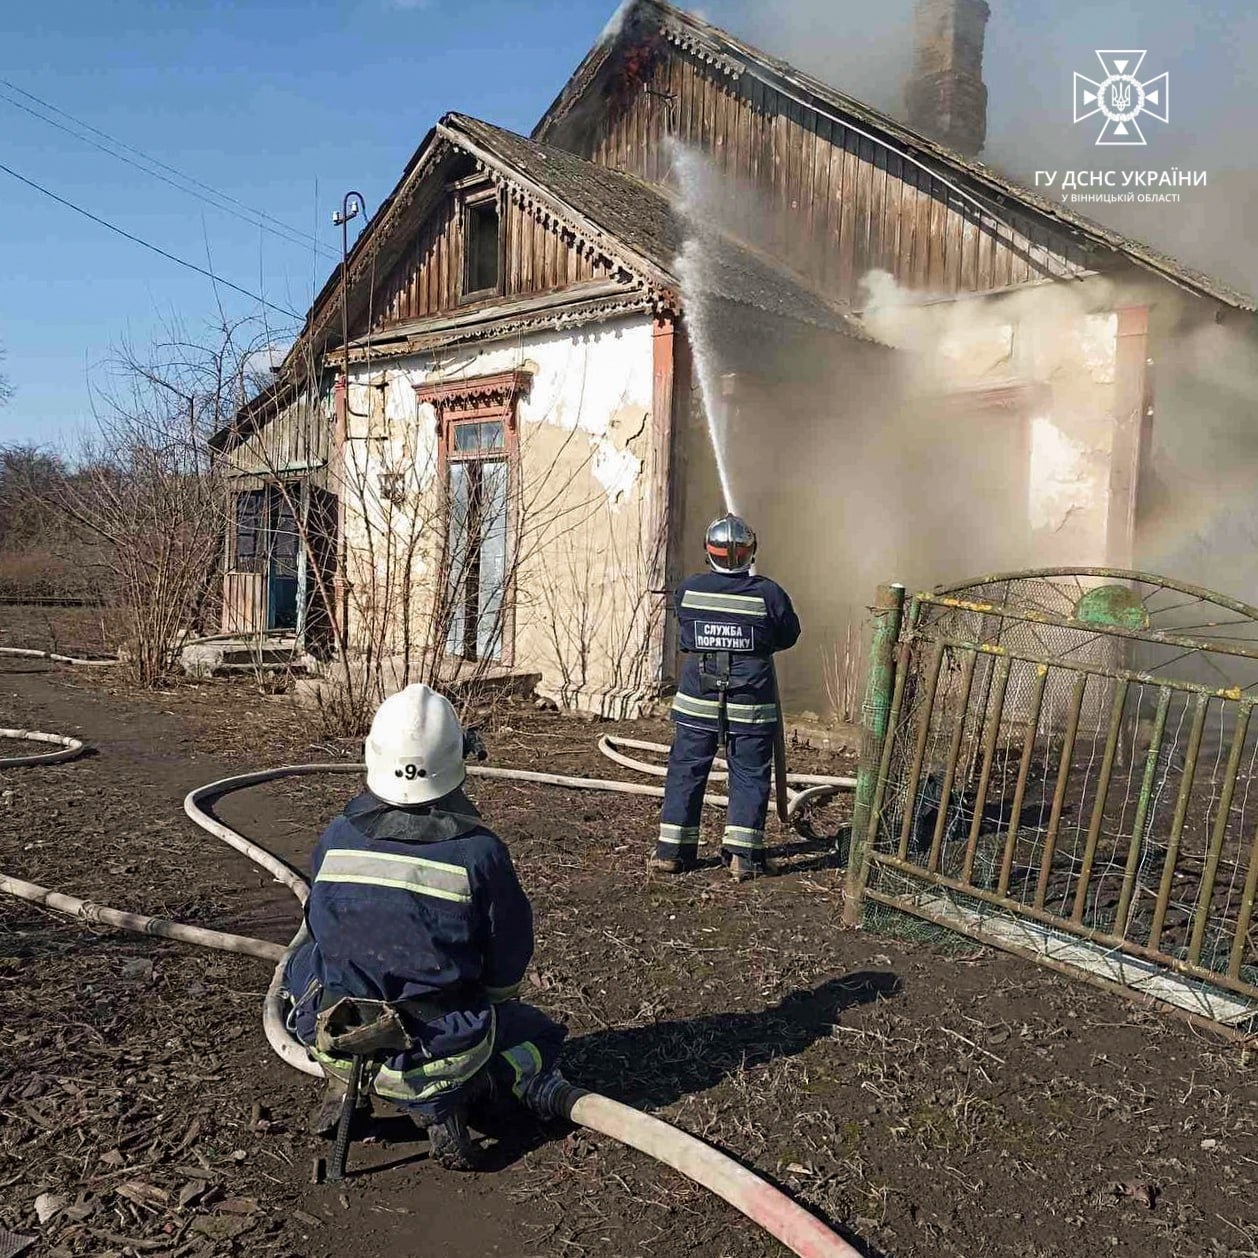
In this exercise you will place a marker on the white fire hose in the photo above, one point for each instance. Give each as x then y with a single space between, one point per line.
801 1232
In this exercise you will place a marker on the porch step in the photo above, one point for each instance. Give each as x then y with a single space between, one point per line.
312 691
238 655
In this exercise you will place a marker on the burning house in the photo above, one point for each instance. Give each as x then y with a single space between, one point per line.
709 279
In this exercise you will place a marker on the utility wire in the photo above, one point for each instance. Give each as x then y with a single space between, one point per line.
192 266
259 217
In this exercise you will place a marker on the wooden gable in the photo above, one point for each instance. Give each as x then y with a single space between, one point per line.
536 256
825 193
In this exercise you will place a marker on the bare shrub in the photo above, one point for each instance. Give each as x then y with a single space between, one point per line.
843 668
412 547
141 493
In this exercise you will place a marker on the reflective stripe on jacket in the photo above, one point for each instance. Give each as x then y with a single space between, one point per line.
749 617
410 904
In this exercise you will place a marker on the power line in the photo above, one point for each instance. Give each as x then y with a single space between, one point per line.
192 266
260 218
284 233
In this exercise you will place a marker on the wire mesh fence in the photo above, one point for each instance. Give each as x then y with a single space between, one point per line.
1058 754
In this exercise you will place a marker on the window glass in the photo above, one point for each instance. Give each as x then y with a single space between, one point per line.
478 438
248 523
482 232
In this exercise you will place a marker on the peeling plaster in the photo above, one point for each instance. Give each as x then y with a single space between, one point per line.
1063 477
1097 340
616 470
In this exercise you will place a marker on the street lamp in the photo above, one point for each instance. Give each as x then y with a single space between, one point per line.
352 205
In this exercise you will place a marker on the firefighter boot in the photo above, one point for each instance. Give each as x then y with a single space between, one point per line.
743 870
450 1143
663 865
327 1114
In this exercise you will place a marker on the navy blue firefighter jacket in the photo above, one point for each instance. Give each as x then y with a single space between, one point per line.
749 617
414 903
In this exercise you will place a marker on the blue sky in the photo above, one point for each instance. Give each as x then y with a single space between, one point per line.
284 105
281 105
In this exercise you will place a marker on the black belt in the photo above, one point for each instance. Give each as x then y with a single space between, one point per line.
420 1008
358 1026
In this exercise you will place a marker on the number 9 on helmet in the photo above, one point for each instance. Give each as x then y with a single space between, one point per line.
414 751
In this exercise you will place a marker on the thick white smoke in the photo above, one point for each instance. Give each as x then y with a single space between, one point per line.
1209 48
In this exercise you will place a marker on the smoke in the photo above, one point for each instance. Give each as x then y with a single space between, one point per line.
1032 53
615 23
860 466
865 51
979 439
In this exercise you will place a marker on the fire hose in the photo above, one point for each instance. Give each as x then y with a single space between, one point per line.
797 1229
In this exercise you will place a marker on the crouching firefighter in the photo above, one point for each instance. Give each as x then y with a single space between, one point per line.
420 935
730 624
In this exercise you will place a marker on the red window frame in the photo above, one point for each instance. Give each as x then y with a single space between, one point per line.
480 400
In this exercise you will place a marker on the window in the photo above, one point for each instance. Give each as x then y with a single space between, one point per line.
482 233
250 544
469 438
478 485
478 441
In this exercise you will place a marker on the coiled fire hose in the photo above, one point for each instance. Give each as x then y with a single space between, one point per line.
797 1229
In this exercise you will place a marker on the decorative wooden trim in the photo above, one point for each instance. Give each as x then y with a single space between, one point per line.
597 302
481 398
478 397
701 49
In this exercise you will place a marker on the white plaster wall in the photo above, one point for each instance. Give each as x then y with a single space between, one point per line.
1061 338
584 451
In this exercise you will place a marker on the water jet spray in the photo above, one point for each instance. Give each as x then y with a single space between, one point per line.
692 268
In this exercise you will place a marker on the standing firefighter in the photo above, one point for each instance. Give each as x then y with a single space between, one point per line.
731 624
418 925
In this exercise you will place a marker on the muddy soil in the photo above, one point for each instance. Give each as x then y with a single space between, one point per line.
925 1097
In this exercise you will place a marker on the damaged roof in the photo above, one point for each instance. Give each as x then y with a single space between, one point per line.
646 222
732 55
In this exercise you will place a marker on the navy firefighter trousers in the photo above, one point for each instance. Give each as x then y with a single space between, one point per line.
750 757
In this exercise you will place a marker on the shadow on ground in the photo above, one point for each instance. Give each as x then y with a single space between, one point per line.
653 1066
658 1064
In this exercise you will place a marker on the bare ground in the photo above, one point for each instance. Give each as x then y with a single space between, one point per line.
926 1098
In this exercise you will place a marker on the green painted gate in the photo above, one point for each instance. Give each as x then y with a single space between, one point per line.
1064 763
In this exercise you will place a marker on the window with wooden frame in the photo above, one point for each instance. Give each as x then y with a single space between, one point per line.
482 244
478 444
249 541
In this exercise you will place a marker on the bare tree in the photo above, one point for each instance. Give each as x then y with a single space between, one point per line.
33 561
143 492
6 385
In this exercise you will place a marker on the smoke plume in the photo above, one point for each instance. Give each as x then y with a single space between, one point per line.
1032 53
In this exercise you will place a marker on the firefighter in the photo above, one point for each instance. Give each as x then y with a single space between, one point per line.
731 623
415 911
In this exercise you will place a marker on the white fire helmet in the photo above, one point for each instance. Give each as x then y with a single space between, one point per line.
414 752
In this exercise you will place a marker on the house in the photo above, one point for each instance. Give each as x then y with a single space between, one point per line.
710 279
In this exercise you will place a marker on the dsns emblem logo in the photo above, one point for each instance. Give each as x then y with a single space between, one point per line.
1121 98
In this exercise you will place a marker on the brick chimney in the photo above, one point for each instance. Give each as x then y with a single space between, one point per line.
946 97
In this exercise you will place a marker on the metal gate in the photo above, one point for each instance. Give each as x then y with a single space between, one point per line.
1063 764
